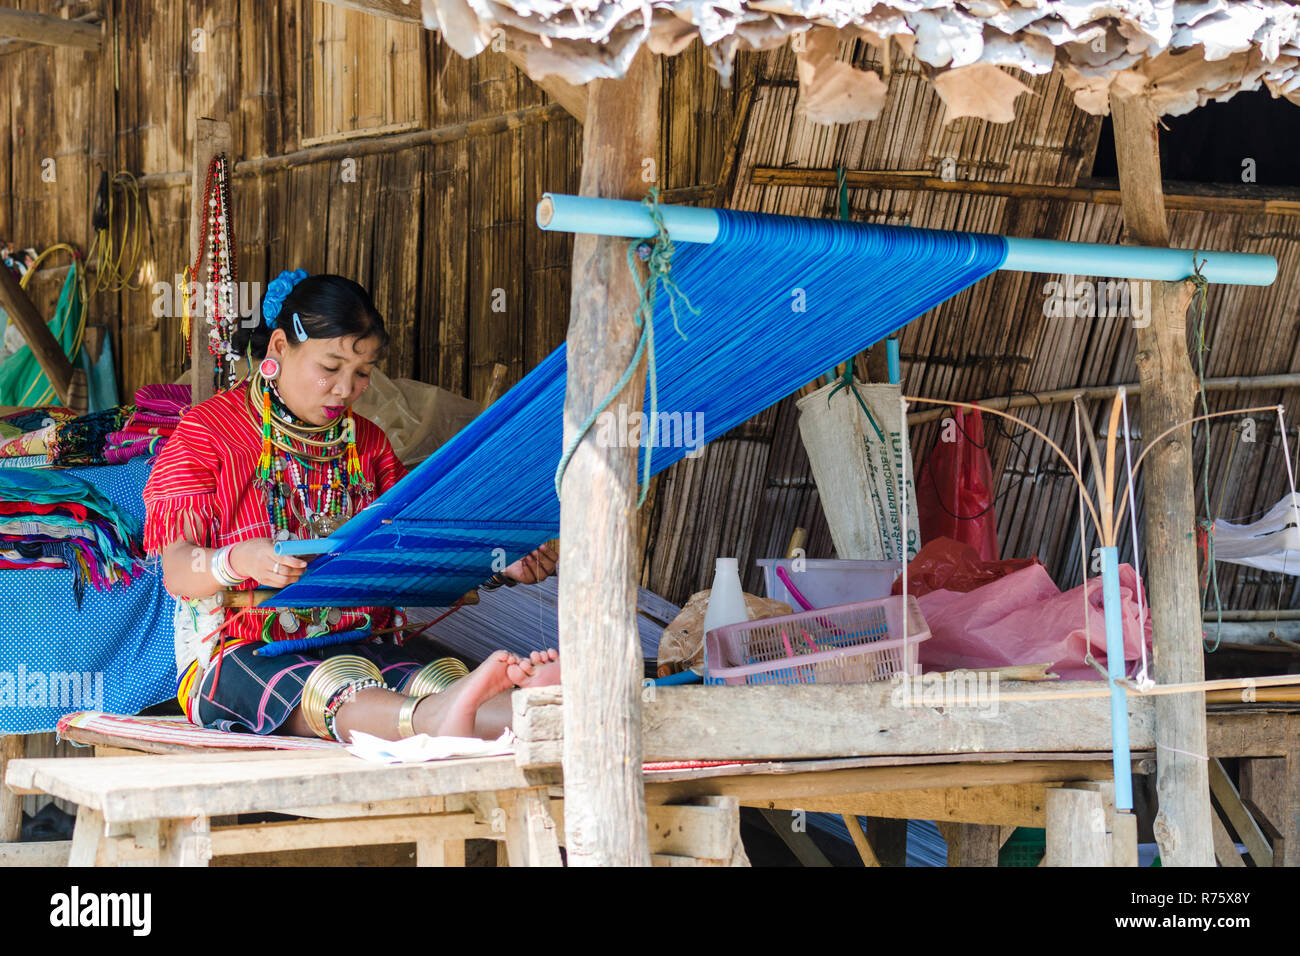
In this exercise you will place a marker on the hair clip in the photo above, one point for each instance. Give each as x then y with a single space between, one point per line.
298 330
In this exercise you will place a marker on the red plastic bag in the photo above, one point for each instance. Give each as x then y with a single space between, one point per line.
954 492
947 565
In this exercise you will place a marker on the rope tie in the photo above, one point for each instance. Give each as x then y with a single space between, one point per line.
846 381
1212 572
657 253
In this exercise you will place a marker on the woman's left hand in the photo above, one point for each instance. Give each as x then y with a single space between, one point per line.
534 567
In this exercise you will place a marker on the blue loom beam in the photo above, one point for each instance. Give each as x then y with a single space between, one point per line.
622 217
780 299
1121 760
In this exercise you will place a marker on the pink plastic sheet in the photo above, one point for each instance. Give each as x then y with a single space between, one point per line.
1024 618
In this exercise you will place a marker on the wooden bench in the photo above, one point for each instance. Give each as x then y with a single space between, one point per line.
177 809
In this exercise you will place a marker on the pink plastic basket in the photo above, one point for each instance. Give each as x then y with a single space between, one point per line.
844 644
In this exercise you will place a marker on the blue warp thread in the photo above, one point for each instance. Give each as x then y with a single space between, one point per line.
280 648
781 299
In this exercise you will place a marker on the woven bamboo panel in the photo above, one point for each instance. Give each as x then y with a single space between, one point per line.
360 74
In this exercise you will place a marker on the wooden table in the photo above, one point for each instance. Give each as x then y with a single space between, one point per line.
169 809
177 808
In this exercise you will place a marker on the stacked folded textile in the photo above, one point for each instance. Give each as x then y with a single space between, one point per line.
158 411
28 432
82 440
52 519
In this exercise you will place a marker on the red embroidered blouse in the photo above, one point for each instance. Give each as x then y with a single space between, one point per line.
203 487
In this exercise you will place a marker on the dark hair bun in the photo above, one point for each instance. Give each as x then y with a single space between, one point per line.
328 306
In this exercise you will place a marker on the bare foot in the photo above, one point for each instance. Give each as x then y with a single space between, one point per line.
540 669
461 701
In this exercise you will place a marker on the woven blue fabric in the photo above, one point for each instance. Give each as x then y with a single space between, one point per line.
780 300
117 653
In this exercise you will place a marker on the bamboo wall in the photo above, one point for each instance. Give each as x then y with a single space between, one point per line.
442 234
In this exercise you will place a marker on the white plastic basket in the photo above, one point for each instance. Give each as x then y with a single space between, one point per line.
849 643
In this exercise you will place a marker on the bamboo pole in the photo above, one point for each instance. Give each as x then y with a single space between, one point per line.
1236 383
924 181
1182 827
371 145
52 31
45 347
1231 685
605 819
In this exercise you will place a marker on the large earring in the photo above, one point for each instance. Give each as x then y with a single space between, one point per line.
264 468
269 369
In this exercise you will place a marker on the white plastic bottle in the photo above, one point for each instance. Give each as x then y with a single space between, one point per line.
726 599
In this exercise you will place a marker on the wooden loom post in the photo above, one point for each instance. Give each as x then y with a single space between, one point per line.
68 382
12 747
210 138
605 817
1182 828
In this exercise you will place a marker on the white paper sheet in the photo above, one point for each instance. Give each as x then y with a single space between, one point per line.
422 748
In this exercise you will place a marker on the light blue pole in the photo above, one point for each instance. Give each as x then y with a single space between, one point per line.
891 357
307 546
1122 762
623 217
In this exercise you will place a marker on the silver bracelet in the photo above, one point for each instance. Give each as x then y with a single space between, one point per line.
219 565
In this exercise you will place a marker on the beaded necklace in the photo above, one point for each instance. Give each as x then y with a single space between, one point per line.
216 238
320 503
308 484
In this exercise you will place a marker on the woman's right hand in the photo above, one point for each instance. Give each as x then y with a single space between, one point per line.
256 559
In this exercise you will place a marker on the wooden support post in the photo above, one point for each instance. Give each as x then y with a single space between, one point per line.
1076 828
87 836
532 836
869 858
789 826
603 786
185 842
972 844
1182 826
1290 814
889 839
1248 829
1266 783
210 138
45 347
12 747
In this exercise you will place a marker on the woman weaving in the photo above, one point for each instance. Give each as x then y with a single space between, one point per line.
282 455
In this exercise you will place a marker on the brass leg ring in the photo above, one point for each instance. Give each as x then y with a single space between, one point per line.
330 679
435 677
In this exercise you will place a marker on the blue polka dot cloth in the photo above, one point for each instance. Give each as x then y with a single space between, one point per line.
116 654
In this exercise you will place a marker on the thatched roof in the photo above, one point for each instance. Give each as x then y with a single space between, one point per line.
1184 52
